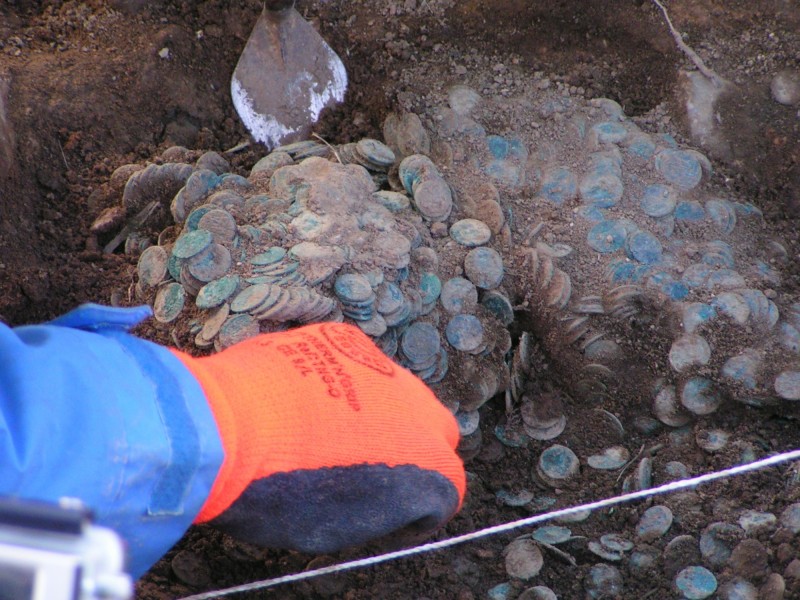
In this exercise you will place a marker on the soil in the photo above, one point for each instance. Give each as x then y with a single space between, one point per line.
88 86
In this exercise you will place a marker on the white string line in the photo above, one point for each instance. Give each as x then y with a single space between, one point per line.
430 547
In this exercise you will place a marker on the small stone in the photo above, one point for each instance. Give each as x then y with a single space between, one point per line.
773 589
790 518
749 559
785 87
679 553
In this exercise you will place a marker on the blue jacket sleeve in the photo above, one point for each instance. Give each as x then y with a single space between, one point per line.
91 412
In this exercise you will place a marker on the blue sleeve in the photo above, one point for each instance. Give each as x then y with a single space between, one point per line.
91 412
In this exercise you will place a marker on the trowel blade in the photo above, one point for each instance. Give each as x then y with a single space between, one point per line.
285 76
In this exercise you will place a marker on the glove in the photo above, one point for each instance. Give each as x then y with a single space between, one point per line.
327 442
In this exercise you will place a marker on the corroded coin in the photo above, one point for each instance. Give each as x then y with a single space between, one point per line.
251 298
169 302
212 263
484 267
237 329
353 288
152 266
192 243
465 333
216 292
470 232
459 295
220 223
420 343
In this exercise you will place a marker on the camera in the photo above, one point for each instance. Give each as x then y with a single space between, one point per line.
53 551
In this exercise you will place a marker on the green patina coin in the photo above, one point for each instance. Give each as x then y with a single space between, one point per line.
169 302
251 298
237 329
192 243
152 266
216 292
271 256
431 287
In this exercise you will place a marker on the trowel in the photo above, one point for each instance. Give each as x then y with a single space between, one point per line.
286 75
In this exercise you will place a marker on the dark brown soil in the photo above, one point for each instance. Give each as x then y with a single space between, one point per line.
88 86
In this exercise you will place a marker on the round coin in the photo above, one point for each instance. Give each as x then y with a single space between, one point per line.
465 333
216 292
169 302
192 243
484 267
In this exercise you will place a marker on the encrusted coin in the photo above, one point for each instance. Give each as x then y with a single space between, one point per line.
470 232
433 199
420 342
169 302
237 329
484 267
220 223
465 333
210 264
353 288
152 266
459 295
216 292
192 243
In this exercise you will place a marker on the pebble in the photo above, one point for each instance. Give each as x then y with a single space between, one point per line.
754 522
790 518
785 87
681 552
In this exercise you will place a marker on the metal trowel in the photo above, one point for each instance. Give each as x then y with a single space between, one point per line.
285 76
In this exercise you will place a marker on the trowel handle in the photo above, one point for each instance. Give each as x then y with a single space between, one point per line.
278 5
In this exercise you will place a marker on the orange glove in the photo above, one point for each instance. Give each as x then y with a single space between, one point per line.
328 443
